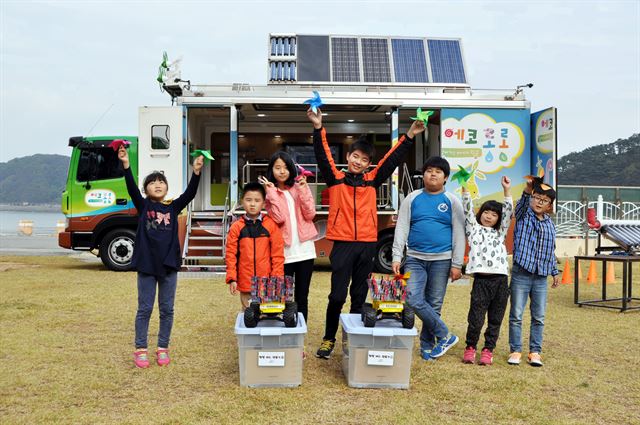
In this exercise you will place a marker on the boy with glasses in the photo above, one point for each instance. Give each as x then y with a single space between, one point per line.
533 261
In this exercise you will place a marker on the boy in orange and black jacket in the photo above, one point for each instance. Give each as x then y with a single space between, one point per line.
254 245
353 218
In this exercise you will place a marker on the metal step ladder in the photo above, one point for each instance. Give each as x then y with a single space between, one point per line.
206 237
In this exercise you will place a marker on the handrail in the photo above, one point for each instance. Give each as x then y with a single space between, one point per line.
185 248
383 195
224 220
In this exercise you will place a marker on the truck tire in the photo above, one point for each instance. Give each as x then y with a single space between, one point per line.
368 316
290 314
384 257
408 317
116 249
252 315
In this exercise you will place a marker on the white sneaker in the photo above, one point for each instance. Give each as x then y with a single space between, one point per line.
514 358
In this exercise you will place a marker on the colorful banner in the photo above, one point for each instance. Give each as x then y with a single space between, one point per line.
489 143
543 152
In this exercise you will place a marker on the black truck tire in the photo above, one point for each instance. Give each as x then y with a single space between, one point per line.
384 257
252 315
368 316
290 314
408 317
116 249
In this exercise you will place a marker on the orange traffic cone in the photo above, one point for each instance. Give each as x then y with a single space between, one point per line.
592 277
579 270
611 273
566 273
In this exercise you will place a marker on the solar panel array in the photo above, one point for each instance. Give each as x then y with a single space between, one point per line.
375 60
343 59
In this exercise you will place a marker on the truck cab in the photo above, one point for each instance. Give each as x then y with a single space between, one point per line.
99 213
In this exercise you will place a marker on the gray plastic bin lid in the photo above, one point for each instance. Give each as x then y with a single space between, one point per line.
270 327
352 324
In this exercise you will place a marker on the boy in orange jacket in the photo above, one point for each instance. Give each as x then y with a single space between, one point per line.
254 245
353 218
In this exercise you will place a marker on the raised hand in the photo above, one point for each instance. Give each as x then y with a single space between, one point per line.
416 128
197 164
264 182
315 118
123 156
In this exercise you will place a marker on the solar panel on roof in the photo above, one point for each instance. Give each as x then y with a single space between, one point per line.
446 61
313 58
409 61
375 60
345 64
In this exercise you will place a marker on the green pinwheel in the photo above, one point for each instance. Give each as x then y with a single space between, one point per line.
422 116
196 153
462 176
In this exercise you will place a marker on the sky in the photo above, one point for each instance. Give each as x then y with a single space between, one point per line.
70 68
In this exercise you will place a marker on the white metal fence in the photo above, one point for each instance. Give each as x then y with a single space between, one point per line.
571 216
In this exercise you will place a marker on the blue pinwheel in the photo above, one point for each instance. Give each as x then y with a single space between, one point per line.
315 102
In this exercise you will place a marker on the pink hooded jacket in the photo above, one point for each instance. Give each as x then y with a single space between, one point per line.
278 210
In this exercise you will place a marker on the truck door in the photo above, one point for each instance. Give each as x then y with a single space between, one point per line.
544 145
161 146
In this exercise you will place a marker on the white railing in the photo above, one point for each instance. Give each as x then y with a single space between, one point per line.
571 216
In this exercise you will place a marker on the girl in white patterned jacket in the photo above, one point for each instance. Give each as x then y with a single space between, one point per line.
486 232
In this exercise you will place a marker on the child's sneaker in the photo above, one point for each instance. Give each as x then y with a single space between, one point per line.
514 358
486 357
469 356
426 355
326 348
141 358
535 359
163 357
443 345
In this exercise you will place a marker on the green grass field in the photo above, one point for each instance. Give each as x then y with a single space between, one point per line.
66 356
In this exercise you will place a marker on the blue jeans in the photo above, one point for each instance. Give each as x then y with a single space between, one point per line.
427 286
525 285
146 296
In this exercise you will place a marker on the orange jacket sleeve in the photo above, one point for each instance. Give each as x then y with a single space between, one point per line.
277 250
231 256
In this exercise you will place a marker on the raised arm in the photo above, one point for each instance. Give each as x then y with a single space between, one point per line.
523 202
325 161
469 216
507 207
192 188
132 188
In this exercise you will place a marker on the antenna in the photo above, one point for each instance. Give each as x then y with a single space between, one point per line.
100 119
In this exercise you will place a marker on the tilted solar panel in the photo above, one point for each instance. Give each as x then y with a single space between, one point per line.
345 65
409 60
446 61
375 60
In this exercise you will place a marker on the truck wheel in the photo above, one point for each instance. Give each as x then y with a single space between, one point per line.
116 249
368 316
290 314
384 257
252 315
408 317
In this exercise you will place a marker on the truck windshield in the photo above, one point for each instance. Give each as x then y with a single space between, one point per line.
98 164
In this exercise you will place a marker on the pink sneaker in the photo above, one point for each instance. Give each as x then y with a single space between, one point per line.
163 356
486 357
469 356
141 359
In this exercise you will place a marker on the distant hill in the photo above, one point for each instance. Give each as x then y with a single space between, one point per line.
36 179
614 164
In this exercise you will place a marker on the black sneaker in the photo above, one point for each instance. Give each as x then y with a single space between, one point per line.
326 348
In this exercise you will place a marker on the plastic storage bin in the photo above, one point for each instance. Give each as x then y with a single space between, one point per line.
377 357
270 355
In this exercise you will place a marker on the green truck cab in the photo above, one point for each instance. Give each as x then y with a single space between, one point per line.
100 214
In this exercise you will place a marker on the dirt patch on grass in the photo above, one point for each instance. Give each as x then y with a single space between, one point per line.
4 267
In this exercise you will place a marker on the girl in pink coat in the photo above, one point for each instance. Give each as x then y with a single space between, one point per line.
290 203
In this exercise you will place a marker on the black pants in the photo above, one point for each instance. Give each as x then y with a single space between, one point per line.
489 296
301 272
349 261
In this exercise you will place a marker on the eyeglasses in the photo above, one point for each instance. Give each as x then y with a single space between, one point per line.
541 200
